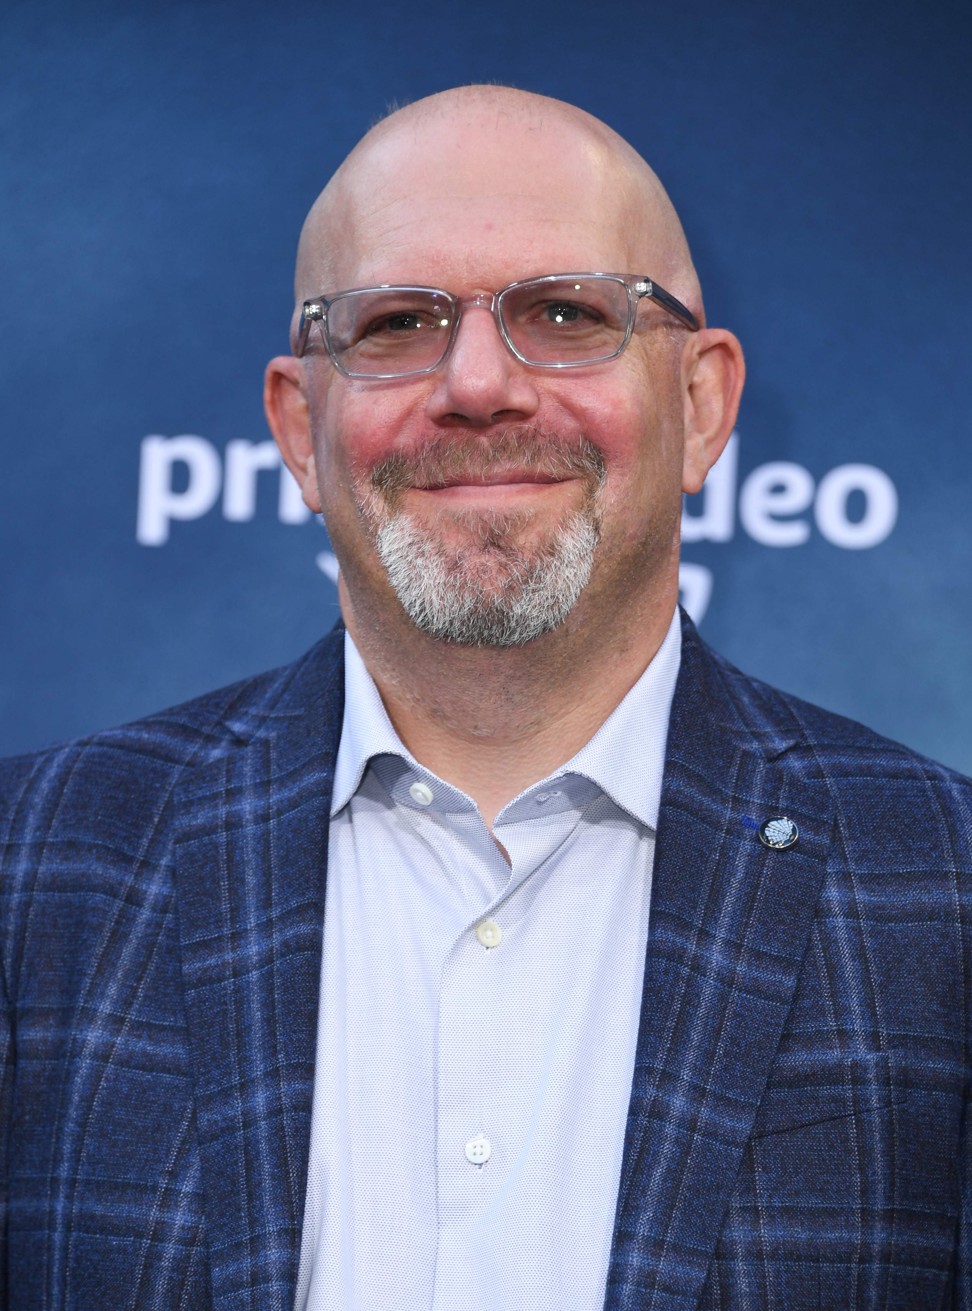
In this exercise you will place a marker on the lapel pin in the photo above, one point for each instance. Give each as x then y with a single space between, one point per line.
779 833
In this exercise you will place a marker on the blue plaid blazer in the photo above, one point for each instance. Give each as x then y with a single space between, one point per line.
798 1126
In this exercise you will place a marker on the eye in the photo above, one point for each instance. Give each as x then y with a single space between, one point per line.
561 316
399 323
562 312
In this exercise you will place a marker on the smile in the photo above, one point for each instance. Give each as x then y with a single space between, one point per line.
495 478
492 485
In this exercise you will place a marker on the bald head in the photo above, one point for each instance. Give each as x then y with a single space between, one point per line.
491 157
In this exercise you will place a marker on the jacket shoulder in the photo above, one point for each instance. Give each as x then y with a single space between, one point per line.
837 736
127 772
882 789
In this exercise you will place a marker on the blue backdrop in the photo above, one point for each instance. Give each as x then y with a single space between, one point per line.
158 161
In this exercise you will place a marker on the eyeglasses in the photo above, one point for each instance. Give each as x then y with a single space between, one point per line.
558 322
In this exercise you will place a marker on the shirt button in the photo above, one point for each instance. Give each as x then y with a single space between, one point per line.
421 794
489 933
478 1149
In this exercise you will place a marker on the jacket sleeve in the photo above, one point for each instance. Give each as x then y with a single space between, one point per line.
6 1098
962 1289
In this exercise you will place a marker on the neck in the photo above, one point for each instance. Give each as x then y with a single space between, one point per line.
494 721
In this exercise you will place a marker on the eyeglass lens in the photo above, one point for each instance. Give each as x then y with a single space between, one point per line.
568 320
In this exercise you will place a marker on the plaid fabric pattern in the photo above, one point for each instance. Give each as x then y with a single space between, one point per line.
163 892
796 1137
797 1132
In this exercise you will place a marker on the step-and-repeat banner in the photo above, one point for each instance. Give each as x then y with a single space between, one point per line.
158 159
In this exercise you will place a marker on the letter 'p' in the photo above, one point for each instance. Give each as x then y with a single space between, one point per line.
158 501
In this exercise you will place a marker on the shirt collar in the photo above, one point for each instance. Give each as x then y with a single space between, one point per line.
625 757
366 730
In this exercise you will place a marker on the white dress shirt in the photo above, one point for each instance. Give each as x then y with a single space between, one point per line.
478 1020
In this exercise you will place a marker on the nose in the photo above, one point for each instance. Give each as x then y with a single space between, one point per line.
481 382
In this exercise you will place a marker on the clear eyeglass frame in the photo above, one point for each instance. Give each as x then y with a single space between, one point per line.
637 287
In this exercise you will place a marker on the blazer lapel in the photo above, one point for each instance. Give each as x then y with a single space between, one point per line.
728 929
251 857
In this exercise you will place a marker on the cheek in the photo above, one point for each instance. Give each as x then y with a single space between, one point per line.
637 440
640 436
360 428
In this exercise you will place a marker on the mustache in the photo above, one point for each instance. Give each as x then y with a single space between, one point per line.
526 450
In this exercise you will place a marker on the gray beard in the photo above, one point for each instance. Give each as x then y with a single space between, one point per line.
445 593
490 592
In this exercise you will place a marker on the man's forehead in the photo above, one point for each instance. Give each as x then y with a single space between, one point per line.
478 188
479 168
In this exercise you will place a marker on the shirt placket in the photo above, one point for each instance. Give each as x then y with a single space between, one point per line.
474 1140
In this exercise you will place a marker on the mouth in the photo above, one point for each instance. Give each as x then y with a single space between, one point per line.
501 478
517 463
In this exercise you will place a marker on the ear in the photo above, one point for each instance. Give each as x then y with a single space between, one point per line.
285 405
713 371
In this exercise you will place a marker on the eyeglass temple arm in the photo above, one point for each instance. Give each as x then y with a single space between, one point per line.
312 311
665 298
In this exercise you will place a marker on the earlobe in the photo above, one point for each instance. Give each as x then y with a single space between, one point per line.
713 375
285 405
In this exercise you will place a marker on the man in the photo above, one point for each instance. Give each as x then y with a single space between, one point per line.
631 982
